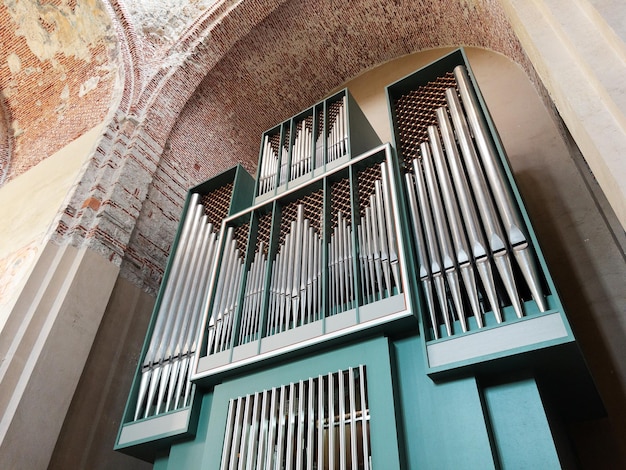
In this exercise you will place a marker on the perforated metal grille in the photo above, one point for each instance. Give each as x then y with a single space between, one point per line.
241 235
312 205
365 181
263 232
216 204
340 201
415 111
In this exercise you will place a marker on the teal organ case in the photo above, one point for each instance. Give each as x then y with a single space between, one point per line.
361 305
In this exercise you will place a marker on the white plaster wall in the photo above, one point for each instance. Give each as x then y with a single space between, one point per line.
29 205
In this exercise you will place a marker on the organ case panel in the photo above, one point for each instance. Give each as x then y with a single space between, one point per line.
485 290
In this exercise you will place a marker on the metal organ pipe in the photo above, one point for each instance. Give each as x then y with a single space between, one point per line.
164 379
514 226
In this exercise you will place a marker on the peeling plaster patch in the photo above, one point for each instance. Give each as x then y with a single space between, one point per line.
58 29
8 92
17 130
87 86
163 21
65 94
14 63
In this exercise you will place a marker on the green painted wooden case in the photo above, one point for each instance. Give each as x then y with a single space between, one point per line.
144 436
513 337
327 149
323 196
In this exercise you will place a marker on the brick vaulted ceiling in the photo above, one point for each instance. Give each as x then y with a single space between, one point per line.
291 59
196 81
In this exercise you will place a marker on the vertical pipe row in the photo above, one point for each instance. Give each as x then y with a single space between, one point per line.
164 382
269 167
253 297
378 249
303 144
301 148
340 271
337 133
225 302
295 286
458 227
321 422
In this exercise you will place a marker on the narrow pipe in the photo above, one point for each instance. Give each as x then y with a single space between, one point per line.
445 244
514 226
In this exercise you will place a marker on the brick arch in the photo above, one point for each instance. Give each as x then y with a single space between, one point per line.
5 143
238 69
272 72
56 83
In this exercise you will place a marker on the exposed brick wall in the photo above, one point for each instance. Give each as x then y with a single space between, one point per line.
124 164
5 143
290 60
57 74
240 68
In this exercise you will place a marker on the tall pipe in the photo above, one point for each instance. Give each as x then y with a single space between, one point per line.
513 224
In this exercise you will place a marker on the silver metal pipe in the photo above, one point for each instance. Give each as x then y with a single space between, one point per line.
342 421
432 240
178 336
340 282
364 418
331 422
297 267
476 248
383 244
170 302
228 437
222 310
344 124
263 445
376 248
362 262
320 419
236 436
304 273
272 299
300 426
282 280
369 254
391 230
459 243
349 249
511 218
177 264
310 425
423 263
353 430
269 457
190 290
253 440
445 244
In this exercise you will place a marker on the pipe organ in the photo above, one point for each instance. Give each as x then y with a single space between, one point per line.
337 241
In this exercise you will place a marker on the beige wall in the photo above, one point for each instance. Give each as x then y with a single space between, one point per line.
581 60
29 205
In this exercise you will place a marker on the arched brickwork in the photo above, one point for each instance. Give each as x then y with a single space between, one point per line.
5 143
57 76
292 58
238 69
